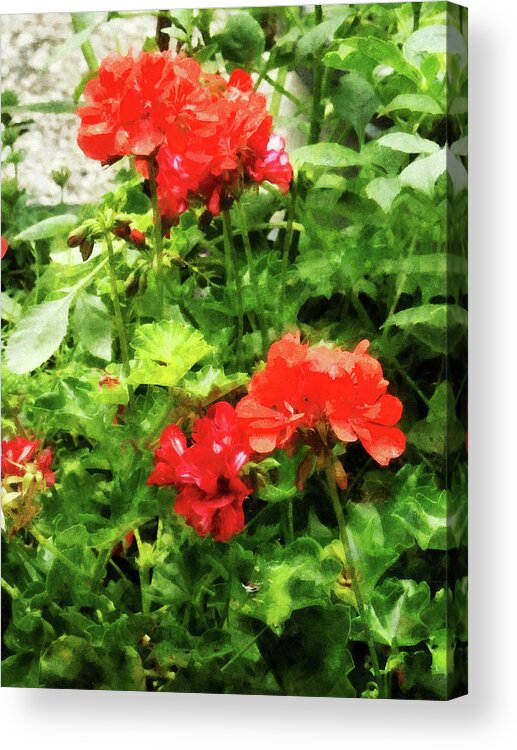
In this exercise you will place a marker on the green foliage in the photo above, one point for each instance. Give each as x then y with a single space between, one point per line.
165 352
369 243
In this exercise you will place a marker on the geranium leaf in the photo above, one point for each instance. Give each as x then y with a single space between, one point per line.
37 335
165 352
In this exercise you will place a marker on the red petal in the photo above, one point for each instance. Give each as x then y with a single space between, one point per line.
382 443
386 411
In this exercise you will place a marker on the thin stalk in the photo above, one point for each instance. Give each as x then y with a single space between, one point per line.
13 591
86 47
244 649
119 321
349 561
315 126
277 95
253 275
285 92
229 248
287 246
143 573
157 225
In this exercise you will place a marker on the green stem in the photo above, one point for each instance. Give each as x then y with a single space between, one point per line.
285 92
315 126
143 573
253 276
349 561
277 95
287 246
13 591
157 225
119 321
244 649
231 261
86 47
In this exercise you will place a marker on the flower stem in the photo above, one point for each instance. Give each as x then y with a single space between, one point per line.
253 276
315 126
143 573
287 246
231 265
119 321
157 225
349 561
86 47
13 591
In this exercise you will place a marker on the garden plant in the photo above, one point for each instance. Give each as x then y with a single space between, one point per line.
234 388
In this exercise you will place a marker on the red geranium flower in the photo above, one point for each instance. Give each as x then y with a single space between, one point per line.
138 102
5 246
320 396
206 474
20 456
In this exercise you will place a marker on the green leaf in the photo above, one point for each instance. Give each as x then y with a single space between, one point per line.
11 309
91 323
355 102
441 431
434 275
423 173
319 36
311 657
434 518
283 485
165 352
242 39
415 103
409 144
438 326
211 383
384 190
293 578
377 50
436 39
325 155
37 335
71 662
395 612
54 226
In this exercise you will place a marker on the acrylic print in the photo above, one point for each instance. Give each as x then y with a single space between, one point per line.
234 383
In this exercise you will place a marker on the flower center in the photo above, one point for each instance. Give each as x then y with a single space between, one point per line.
223 485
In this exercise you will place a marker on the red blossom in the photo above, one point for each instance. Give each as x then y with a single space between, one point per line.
210 493
138 102
305 393
5 246
209 138
20 456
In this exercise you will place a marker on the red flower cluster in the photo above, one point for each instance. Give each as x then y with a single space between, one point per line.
5 246
206 474
21 456
210 138
321 395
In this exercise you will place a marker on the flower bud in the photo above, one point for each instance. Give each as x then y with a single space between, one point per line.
137 238
131 284
86 248
77 236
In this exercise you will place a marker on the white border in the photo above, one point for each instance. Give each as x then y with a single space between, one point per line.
120 721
